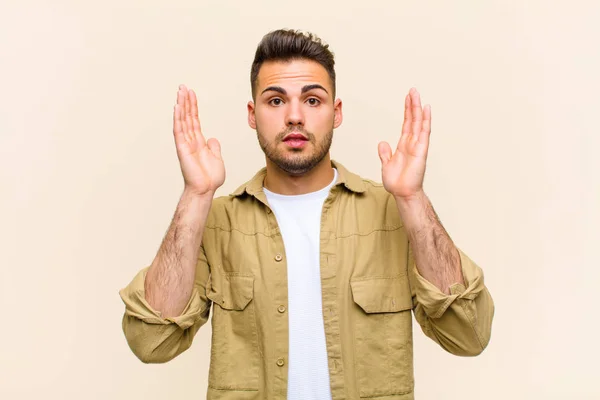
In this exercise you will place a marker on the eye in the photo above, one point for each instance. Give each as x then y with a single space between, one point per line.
276 101
313 101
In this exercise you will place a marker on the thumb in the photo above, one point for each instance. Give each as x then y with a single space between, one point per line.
214 146
385 153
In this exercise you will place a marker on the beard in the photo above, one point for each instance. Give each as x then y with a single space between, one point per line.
295 161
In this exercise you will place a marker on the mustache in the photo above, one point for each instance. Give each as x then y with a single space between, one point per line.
294 129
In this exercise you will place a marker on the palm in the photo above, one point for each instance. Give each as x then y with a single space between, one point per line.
404 170
200 160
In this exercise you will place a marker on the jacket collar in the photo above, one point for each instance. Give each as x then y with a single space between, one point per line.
351 181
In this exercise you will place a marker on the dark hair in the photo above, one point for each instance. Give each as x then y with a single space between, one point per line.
288 45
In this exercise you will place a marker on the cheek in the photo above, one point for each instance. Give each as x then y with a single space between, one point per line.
268 119
322 118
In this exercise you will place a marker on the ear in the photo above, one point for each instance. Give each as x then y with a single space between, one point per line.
251 115
337 113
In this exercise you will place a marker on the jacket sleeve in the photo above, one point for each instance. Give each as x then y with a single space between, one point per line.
154 339
460 322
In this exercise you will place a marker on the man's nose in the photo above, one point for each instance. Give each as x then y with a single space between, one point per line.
294 115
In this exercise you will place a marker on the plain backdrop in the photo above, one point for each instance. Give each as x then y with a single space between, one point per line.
89 177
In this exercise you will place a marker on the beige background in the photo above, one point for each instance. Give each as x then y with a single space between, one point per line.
90 179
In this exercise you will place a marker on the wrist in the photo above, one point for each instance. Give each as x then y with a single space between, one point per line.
194 207
193 194
407 202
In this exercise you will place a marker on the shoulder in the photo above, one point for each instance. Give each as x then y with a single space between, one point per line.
374 195
370 206
228 205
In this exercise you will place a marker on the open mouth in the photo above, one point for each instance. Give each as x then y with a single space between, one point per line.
295 140
295 136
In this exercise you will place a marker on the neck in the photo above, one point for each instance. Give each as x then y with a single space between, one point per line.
279 181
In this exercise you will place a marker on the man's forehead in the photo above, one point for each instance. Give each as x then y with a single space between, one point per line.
292 73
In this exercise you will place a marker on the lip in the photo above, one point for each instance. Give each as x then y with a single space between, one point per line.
295 136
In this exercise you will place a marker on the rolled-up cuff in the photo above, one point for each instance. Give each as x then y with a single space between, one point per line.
133 295
435 302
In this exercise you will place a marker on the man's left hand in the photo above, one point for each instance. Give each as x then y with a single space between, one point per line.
404 170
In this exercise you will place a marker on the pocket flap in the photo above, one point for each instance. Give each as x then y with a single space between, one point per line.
231 292
381 295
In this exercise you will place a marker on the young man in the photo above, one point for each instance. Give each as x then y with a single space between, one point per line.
311 271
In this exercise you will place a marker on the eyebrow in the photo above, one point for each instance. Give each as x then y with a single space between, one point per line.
305 89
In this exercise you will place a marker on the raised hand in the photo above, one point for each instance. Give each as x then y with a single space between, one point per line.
200 160
403 171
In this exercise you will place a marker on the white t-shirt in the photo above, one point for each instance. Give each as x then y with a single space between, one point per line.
299 219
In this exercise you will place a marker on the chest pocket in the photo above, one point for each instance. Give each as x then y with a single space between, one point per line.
383 336
231 292
234 360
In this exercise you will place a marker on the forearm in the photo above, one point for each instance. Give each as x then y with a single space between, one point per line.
436 256
170 279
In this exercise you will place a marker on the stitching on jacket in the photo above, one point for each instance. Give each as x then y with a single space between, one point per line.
390 228
276 232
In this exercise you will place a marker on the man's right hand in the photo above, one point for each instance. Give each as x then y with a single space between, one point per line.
200 160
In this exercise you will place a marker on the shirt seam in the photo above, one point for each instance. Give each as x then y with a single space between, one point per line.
233 390
242 232
386 395
389 228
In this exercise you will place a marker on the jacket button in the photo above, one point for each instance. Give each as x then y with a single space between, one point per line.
281 309
280 362
278 257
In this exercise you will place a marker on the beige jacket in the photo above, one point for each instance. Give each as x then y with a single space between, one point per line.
369 282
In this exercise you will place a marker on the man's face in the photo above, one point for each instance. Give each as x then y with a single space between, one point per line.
294 114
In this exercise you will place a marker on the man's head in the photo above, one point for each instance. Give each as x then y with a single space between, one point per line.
294 110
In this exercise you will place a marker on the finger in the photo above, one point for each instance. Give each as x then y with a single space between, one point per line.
176 122
195 120
188 116
417 113
181 100
179 89
421 145
215 147
178 132
385 153
186 101
193 103
180 97
426 130
185 112
406 125
181 113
